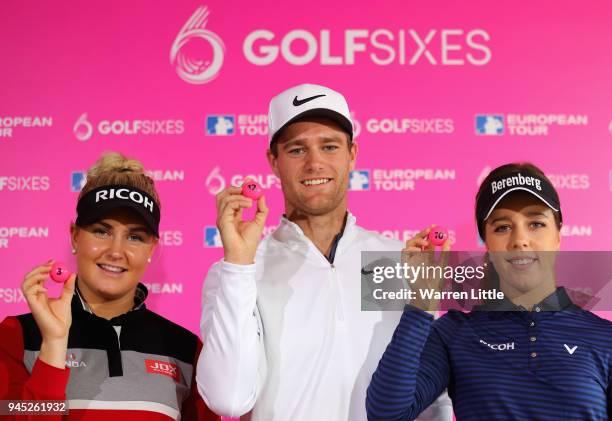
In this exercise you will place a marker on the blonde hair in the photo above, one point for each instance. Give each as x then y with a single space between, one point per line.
114 168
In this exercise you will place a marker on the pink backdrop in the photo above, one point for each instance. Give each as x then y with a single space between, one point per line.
442 91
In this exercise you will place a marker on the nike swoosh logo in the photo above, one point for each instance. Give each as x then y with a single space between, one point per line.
570 350
297 102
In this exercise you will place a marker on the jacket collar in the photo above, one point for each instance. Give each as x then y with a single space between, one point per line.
79 304
290 233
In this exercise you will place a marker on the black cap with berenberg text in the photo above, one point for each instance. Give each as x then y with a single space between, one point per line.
520 180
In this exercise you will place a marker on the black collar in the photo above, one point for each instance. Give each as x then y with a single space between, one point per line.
335 241
80 305
332 252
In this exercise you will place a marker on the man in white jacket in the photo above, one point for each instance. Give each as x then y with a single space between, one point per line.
283 331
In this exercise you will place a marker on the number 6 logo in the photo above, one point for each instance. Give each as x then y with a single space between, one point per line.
191 69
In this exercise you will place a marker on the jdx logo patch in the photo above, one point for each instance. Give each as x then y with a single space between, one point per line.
162 367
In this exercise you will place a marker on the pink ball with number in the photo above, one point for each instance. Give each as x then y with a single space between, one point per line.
437 236
59 273
252 190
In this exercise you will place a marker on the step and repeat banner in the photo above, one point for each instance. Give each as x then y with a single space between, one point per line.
441 93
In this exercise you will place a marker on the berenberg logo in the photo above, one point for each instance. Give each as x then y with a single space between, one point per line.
188 57
517 180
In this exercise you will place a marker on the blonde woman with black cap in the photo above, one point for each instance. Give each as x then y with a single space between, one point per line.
124 361
533 355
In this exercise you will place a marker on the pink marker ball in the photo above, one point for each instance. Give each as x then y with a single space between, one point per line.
252 190
59 273
437 236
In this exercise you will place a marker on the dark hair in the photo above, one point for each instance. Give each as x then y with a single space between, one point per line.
505 170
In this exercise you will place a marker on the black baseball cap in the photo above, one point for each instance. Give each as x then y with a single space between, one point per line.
95 204
523 179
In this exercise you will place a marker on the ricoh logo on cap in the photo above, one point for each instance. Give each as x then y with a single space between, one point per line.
83 129
9 123
190 62
382 47
125 194
162 367
516 180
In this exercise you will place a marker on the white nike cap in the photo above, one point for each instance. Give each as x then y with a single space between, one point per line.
307 100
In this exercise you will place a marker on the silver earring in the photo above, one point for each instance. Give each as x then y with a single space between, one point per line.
149 260
73 251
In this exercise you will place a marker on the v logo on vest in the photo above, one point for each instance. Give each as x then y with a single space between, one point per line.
570 350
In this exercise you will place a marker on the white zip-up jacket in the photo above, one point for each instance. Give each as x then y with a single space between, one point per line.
285 337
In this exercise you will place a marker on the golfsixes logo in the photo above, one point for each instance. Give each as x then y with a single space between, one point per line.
197 53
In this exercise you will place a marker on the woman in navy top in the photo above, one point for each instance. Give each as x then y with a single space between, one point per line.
536 357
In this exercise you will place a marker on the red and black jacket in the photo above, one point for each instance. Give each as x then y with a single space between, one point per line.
137 366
